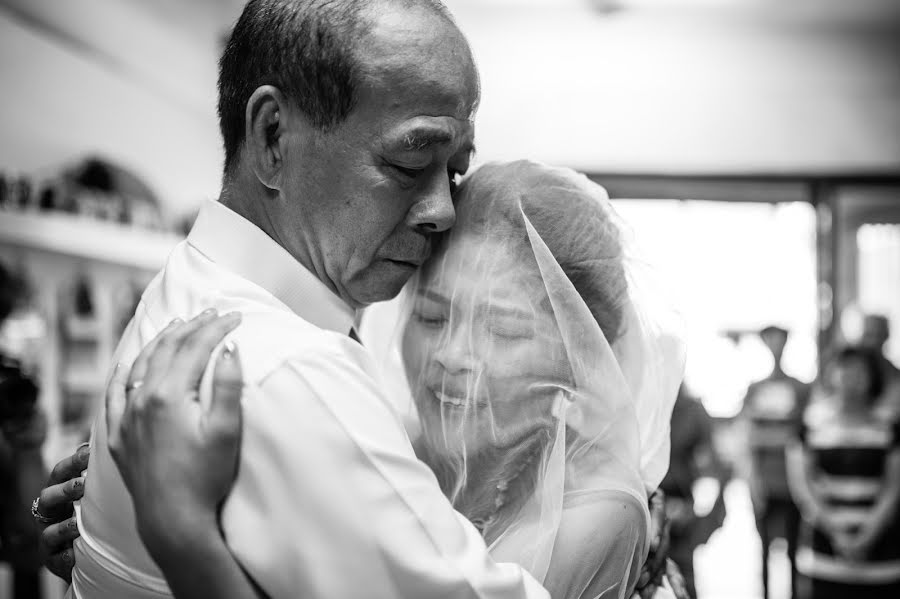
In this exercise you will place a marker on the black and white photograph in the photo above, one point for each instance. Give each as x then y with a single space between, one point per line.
450 299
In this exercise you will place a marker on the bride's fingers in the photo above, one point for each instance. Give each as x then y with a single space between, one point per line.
190 359
141 363
657 519
676 580
162 359
116 402
224 414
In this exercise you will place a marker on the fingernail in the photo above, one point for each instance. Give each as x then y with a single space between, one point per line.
229 350
83 450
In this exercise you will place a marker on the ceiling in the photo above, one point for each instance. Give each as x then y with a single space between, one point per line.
629 86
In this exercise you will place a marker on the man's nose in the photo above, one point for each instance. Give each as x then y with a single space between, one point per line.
433 212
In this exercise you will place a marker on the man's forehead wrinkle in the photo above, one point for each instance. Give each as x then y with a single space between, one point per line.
435 60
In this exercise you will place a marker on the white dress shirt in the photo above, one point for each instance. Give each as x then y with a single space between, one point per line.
330 500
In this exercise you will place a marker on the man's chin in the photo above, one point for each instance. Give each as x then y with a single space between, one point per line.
382 281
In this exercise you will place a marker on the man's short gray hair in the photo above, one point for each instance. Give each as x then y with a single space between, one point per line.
305 48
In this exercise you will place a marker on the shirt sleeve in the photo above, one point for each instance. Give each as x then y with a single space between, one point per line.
330 500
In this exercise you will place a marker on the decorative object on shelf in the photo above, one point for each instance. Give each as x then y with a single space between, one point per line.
93 187
87 275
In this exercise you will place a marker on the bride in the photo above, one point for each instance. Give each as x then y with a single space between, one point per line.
539 373
527 357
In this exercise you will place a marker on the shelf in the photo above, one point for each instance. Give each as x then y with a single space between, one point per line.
82 329
80 237
82 381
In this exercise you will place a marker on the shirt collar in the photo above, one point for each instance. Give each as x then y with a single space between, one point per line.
239 246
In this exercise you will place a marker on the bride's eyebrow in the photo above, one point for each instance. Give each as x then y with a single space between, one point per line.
504 312
432 295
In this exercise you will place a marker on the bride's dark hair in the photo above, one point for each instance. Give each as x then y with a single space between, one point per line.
572 216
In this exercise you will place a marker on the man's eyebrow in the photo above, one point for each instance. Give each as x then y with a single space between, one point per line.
421 139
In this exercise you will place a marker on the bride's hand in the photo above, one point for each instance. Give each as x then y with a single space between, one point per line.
658 565
177 458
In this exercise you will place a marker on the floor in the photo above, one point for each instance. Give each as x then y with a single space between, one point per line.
728 567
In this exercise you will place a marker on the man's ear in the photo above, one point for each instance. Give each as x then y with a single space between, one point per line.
266 123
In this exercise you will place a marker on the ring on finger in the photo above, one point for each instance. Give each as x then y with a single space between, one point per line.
36 512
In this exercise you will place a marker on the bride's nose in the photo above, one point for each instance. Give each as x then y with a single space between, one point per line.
455 353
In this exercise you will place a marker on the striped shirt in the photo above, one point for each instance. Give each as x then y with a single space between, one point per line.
849 459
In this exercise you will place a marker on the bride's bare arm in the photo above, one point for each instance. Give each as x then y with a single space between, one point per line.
179 459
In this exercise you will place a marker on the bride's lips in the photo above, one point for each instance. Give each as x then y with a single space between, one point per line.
449 400
455 400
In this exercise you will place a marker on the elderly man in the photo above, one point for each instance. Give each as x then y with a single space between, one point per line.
345 125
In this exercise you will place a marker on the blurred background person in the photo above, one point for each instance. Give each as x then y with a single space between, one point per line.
22 472
693 456
876 333
845 474
772 410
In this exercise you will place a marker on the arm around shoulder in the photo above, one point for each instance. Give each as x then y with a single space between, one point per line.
331 499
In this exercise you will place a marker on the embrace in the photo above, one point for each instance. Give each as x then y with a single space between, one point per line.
255 450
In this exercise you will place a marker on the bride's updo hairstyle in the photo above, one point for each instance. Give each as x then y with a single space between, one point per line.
537 371
572 216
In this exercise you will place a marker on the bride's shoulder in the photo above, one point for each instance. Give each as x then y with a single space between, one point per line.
600 512
601 543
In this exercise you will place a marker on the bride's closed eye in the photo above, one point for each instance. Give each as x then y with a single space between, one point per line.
430 320
507 332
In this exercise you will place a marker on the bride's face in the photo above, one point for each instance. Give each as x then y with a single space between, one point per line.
482 351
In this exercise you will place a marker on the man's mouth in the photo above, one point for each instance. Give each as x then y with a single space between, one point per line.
406 263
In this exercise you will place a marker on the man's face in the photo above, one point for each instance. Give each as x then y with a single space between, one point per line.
370 194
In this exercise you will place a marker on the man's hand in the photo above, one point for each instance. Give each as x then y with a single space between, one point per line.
64 486
177 458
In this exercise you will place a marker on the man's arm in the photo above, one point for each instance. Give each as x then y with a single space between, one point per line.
20 442
327 467
330 499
